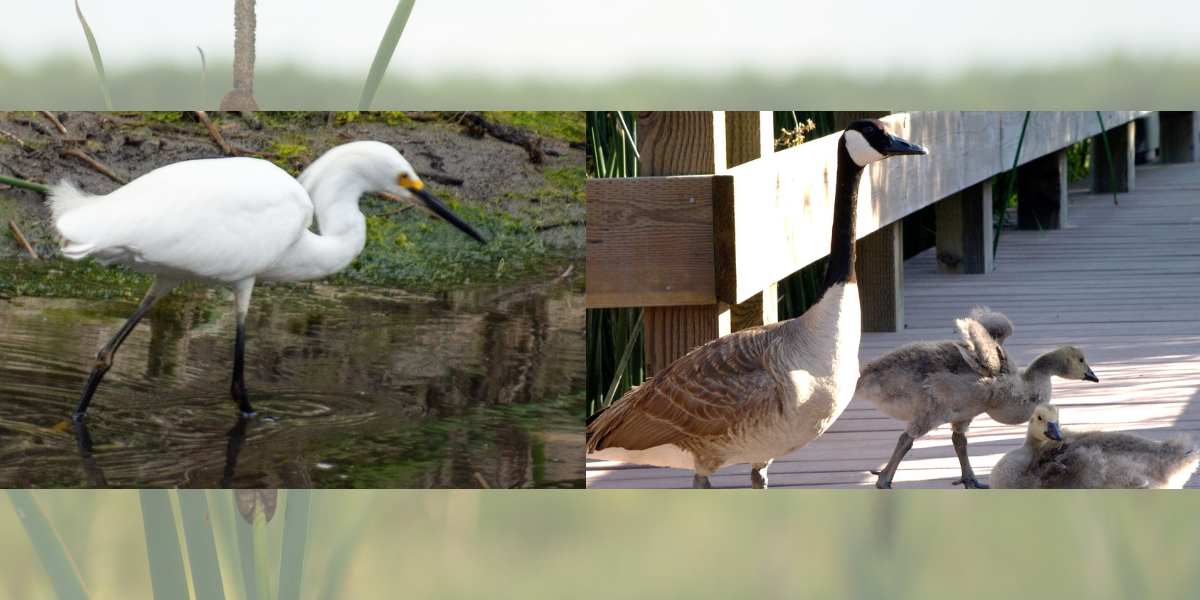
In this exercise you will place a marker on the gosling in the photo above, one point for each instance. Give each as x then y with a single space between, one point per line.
1051 458
928 384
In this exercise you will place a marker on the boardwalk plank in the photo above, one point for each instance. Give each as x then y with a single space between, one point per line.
1121 283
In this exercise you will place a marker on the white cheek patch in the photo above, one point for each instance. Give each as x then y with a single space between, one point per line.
860 149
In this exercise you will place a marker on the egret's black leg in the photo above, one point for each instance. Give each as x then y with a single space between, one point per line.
903 445
238 389
237 436
104 360
84 441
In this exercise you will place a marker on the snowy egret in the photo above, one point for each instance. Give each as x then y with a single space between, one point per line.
233 221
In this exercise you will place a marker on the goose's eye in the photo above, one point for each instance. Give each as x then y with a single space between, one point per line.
1081 359
1039 417
869 130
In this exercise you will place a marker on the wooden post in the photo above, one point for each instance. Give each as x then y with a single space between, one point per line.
965 231
681 143
1180 135
1146 142
880 269
1120 140
1042 190
751 135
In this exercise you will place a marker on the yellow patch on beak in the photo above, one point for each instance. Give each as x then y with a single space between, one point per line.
412 184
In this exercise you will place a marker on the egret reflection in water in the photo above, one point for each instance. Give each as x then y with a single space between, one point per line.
359 388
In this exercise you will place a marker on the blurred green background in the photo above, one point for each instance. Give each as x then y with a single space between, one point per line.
1161 84
669 544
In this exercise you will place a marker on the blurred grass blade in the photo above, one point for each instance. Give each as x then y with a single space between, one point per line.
1112 169
167 577
260 557
95 56
621 366
201 545
204 78
61 571
21 183
387 46
295 537
245 538
1008 188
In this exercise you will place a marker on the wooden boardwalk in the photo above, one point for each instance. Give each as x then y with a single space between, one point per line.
1122 283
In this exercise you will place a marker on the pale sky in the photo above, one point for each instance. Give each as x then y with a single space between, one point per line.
601 39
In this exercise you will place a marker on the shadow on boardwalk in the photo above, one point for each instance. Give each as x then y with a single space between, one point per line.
1122 283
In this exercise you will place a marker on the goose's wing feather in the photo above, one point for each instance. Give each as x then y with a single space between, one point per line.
703 394
214 219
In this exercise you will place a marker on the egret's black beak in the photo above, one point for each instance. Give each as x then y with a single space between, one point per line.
444 212
1053 432
899 145
1090 376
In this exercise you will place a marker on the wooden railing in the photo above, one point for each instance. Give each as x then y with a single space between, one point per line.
700 245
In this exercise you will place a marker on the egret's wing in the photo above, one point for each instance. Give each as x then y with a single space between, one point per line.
214 219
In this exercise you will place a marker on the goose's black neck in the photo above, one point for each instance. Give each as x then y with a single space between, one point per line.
845 214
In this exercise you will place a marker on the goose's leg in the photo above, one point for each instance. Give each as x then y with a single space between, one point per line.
705 466
903 445
959 439
241 292
758 475
161 287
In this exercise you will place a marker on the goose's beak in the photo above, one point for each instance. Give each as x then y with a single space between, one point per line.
1053 432
444 212
1090 376
898 145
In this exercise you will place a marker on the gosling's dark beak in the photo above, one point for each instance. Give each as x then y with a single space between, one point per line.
899 145
1090 376
1053 432
444 212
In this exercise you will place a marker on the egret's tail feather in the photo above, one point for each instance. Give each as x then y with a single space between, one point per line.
65 197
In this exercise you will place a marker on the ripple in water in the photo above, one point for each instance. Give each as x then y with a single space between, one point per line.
352 388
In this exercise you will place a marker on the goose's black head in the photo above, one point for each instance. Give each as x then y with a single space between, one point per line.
869 140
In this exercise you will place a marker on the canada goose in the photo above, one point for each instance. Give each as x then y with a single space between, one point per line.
1053 458
928 384
762 392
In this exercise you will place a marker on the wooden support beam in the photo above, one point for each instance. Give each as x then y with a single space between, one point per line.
880 269
1180 135
965 231
1121 141
683 143
1147 139
749 135
673 331
1042 192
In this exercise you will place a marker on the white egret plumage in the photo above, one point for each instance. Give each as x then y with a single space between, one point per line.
233 221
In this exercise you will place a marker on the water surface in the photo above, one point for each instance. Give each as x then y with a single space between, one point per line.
354 387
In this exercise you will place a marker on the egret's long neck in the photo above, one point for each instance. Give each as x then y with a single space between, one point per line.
845 213
342 225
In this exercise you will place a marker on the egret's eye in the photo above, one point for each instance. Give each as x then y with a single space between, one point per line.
409 181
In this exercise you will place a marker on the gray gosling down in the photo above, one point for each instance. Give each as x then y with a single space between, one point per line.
929 384
762 392
1055 459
